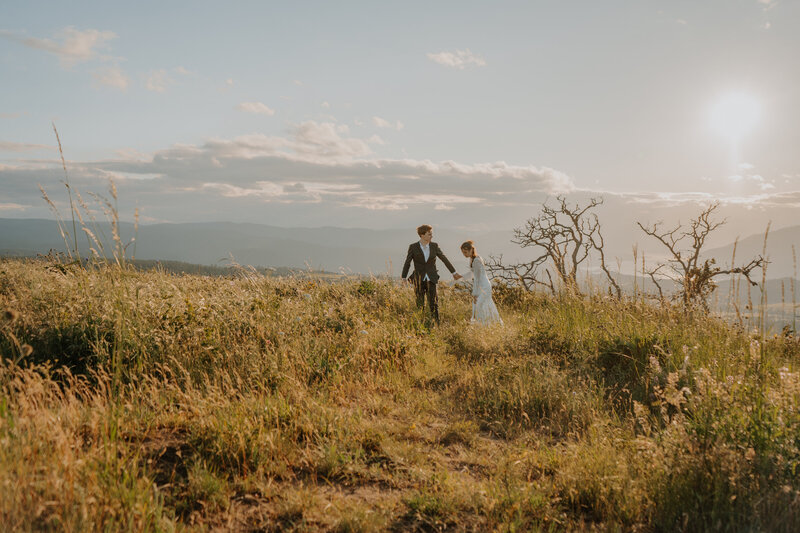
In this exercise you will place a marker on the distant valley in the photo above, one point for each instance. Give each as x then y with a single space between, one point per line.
332 249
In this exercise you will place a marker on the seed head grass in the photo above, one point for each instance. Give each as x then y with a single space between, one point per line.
135 401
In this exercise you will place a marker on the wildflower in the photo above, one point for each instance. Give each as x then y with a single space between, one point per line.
685 365
755 349
655 364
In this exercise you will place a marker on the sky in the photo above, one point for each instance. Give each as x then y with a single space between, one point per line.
464 114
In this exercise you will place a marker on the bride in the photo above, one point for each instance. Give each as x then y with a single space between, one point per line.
483 309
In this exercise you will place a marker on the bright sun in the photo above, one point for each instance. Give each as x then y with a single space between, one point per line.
735 115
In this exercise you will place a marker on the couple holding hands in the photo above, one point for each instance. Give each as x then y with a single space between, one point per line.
425 277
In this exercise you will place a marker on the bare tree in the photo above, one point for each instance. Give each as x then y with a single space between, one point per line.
563 237
694 276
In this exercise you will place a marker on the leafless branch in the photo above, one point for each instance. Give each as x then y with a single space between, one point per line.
694 275
563 237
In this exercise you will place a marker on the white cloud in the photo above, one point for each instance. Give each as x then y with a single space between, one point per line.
111 77
13 207
6 146
183 71
11 115
256 108
746 177
310 142
322 139
761 200
70 45
264 190
459 59
326 105
318 153
132 154
121 177
667 199
227 86
383 123
158 80
317 164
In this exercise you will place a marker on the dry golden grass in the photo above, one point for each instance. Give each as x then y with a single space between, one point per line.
150 401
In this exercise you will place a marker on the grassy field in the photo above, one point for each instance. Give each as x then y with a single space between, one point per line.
135 401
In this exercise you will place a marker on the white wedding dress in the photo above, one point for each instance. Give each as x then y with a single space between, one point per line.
483 309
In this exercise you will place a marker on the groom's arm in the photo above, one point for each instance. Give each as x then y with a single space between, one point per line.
407 264
446 261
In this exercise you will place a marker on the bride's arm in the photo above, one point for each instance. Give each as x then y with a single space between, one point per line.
479 267
481 279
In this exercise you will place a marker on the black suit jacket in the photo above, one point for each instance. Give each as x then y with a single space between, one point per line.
422 267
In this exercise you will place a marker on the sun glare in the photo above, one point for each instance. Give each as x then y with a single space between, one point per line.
735 115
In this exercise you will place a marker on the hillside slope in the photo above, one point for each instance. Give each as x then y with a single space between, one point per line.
293 404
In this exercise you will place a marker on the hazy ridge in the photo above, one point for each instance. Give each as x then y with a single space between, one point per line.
211 243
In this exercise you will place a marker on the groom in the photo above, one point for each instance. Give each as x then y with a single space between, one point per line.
425 276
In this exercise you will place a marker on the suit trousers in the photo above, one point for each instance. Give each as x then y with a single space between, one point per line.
426 290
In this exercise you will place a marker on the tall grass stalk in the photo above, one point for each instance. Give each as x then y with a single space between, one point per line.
783 300
635 249
763 311
60 221
794 293
644 279
69 191
95 235
733 292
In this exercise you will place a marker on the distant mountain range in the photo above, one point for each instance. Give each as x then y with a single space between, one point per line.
214 243
327 248
780 244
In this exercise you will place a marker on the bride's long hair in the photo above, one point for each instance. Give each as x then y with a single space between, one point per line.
469 246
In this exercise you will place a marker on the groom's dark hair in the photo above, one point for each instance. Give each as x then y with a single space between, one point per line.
423 229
